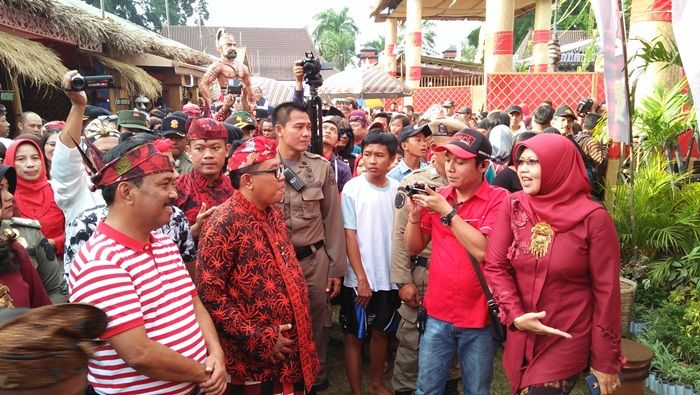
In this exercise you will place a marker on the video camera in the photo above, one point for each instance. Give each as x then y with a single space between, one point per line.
584 107
312 69
416 189
234 87
81 83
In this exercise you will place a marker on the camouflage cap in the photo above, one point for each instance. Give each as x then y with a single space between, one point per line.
133 119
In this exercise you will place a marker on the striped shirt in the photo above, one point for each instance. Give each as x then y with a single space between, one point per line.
136 284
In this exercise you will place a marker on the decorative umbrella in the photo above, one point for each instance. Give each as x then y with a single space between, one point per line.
274 91
364 84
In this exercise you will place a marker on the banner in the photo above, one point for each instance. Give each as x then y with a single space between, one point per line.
687 29
607 16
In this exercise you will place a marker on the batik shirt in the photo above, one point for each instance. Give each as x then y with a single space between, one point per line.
193 190
81 228
250 281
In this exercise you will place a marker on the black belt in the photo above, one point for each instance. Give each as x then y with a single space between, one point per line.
419 261
307 251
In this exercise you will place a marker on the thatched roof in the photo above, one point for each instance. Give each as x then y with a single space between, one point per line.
85 22
135 80
33 61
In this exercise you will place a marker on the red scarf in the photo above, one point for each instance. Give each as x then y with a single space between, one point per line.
564 196
35 200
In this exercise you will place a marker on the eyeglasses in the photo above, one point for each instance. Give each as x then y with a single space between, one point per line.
277 171
528 162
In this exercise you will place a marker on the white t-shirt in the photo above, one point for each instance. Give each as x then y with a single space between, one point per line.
71 183
368 210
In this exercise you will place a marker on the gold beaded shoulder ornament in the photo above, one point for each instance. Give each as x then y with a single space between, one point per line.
542 234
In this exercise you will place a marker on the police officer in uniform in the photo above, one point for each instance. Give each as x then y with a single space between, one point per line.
27 232
313 218
173 128
410 273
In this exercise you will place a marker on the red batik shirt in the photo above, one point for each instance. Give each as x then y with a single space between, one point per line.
251 283
193 190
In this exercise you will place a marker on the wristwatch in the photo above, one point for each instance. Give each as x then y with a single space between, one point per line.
446 220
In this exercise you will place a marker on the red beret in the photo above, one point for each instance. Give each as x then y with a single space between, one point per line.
256 150
206 129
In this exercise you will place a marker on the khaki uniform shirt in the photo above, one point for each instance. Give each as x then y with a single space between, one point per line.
402 270
313 213
50 268
183 164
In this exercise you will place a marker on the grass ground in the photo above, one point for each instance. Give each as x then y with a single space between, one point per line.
339 384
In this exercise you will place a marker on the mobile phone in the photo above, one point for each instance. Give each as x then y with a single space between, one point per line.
234 87
594 385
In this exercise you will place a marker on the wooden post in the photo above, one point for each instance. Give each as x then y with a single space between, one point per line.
390 47
498 53
541 35
414 42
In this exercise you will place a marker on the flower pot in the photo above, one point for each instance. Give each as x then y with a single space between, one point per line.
650 379
627 291
689 389
680 389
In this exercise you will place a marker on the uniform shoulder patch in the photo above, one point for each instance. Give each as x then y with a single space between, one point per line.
311 155
399 200
25 222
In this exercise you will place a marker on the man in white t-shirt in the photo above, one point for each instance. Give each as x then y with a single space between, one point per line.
367 291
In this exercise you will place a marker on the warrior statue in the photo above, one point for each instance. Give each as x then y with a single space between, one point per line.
227 67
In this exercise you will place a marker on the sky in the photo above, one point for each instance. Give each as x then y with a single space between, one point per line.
299 13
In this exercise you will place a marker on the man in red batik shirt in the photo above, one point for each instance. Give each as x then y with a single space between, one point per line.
206 186
251 282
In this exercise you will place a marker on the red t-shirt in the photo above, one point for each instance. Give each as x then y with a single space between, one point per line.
454 294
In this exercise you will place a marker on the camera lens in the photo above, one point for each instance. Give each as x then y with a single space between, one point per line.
77 83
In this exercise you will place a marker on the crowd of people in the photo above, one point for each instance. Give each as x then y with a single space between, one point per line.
213 243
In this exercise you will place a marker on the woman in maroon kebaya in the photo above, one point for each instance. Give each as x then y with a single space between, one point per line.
553 262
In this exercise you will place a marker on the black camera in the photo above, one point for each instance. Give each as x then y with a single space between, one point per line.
312 69
234 87
81 83
416 189
584 107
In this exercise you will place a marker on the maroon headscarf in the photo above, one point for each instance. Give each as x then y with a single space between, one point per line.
564 196
35 200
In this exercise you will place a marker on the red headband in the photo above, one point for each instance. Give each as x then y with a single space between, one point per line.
141 161
256 150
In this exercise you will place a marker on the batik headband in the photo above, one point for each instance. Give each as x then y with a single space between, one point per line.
141 161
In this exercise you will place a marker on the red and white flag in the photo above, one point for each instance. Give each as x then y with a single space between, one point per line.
607 16
684 14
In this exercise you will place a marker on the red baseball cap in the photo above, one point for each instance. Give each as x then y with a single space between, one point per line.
467 144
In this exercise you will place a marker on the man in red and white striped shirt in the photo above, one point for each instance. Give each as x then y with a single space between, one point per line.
160 338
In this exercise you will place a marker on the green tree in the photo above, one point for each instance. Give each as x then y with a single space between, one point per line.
151 13
378 43
335 36
521 26
467 51
473 37
428 30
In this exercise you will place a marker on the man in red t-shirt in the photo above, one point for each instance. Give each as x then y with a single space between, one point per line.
458 220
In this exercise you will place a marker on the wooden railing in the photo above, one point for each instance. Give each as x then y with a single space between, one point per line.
455 80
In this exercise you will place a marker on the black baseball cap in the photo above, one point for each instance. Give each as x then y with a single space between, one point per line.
92 112
467 144
513 108
410 131
565 111
464 110
173 125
